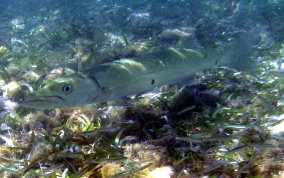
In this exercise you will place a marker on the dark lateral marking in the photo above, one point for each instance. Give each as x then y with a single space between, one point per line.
152 82
95 80
216 62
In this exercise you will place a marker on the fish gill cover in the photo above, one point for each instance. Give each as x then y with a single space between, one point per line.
219 122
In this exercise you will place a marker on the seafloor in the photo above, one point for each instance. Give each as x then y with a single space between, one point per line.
222 123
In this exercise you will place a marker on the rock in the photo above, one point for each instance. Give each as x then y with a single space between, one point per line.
193 97
14 91
13 70
140 23
58 72
3 49
30 76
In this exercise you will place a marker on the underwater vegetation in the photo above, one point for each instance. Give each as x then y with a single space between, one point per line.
220 123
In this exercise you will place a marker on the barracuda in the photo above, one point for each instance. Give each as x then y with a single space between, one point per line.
113 80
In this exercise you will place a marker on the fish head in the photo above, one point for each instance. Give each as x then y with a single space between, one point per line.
75 90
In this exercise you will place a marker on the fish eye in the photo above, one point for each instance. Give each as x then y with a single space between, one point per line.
67 89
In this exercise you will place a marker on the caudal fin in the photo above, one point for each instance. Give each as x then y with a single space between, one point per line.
241 50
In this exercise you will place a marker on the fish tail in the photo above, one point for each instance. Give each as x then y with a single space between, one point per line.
241 50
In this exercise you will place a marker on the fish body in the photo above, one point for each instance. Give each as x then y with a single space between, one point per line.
113 80
131 76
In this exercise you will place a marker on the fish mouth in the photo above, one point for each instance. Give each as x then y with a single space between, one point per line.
34 101
41 99
42 102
